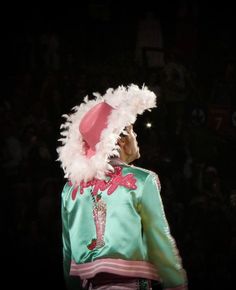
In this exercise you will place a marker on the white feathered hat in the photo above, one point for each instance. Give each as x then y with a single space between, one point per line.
91 132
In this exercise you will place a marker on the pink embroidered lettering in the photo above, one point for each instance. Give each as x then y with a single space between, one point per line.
116 179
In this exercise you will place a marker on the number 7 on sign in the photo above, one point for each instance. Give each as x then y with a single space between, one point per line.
218 122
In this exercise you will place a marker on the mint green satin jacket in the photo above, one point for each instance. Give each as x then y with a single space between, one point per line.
118 226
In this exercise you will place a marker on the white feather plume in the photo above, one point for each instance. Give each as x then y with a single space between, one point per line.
127 102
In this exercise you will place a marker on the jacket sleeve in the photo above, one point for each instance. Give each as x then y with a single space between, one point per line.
161 247
70 281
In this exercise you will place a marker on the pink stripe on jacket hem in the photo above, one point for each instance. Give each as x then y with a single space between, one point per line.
140 269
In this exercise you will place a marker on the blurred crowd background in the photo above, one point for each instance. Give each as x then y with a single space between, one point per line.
53 57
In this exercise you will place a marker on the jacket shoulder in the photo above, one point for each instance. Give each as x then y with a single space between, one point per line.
145 173
66 191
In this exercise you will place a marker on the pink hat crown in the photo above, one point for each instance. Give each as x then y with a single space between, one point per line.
92 125
90 133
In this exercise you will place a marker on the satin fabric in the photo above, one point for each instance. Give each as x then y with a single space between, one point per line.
136 228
